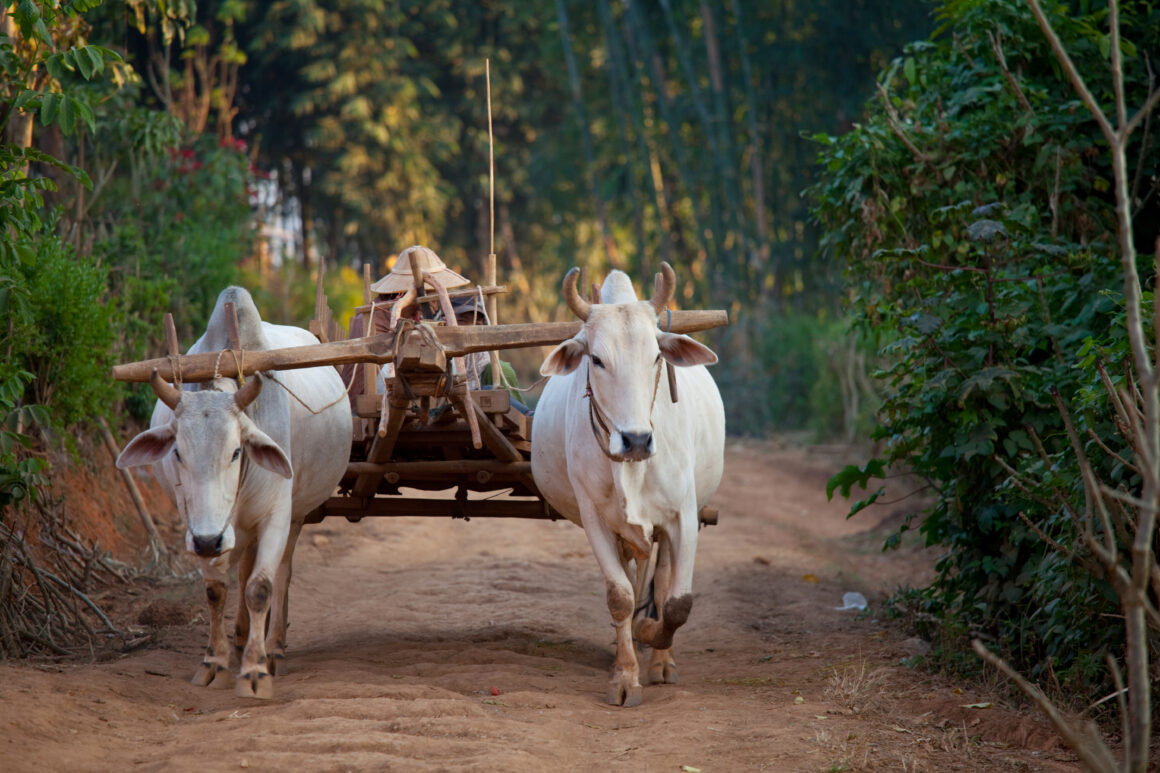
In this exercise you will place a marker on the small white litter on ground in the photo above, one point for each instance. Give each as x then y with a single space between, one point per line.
852 600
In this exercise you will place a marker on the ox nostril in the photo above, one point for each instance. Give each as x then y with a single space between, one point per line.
636 441
207 546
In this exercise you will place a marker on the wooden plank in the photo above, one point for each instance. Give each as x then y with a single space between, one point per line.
456 341
383 446
489 433
447 467
355 509
200 367
470 291
368 406
493 400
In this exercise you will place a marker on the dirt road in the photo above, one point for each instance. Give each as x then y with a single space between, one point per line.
403 631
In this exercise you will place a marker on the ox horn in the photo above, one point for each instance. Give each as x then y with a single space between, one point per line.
248 392
666 283
165 391
580 307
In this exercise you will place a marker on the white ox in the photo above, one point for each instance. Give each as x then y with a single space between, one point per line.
613 453
244 466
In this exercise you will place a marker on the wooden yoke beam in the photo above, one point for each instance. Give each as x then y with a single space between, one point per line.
456 341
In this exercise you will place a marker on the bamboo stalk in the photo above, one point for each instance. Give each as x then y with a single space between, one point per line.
649 70
610 251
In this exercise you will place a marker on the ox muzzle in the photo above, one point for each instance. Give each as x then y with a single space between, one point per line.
210 545
635 446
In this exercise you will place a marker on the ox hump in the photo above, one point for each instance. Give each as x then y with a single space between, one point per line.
617 288
250 334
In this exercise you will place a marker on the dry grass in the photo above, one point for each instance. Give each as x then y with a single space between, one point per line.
857 689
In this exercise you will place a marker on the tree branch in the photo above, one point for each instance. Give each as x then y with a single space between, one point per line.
1084 740
996 39
896 126
1073 75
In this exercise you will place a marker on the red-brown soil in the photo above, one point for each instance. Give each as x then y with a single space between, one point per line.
404 631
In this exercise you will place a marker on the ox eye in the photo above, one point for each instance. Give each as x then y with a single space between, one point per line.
237 453
176 455
597 361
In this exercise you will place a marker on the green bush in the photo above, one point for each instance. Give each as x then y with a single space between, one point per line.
974 220
795 372
183 226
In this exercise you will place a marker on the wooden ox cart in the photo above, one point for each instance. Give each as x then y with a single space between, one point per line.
428 431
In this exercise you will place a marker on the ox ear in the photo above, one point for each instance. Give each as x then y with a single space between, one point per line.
263 451
683 351
566 357
148 447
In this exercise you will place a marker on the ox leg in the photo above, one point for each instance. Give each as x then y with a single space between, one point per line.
214 670
662 668
280 607
242 622
624 685
673 585
254 680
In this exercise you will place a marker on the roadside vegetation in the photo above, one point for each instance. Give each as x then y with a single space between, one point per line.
989 220
969 299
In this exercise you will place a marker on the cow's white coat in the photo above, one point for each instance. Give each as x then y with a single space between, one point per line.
247 506
625 506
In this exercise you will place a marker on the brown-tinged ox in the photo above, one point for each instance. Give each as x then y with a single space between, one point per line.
614 454
244 466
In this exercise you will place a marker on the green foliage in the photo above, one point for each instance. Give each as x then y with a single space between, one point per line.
85 279
974 221
795 372
58 328
21 475
184 225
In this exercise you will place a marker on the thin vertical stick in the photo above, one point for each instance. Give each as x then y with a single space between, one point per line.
156 543
370 371
490 162
490 278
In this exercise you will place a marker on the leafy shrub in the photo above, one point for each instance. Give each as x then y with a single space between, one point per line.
973 214
183 226
21 475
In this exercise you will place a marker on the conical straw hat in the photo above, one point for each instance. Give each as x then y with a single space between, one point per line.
432 266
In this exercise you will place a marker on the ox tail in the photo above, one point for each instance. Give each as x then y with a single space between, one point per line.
646 606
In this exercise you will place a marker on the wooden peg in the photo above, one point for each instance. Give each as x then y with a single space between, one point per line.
232 326
171 335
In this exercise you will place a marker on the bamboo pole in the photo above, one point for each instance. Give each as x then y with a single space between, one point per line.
610 251
490 274
648 70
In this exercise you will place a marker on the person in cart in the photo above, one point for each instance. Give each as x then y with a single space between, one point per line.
470 310
390 303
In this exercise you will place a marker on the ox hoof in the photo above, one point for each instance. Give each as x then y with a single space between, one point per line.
211 675
256 684
662 672
277 664
621 695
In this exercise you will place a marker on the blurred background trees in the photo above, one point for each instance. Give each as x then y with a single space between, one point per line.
188 144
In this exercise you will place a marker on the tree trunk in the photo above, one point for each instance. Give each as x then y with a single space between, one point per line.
610 251
647 56
306 211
